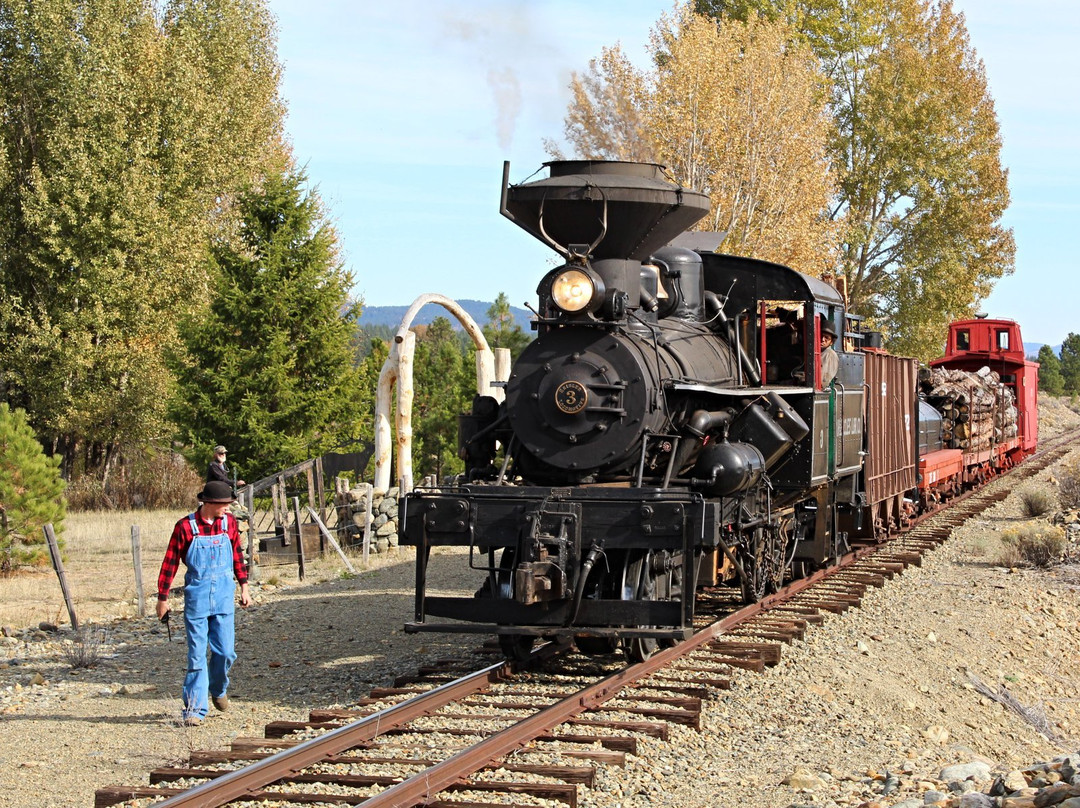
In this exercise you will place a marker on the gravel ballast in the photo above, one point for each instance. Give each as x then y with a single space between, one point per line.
955 663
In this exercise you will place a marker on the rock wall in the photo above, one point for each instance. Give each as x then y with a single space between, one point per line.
353 513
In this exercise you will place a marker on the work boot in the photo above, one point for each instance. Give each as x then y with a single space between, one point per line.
221 702
192 721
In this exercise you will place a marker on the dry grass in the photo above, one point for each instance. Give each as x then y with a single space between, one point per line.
1068 476
1036 498
84 650
100 572
99 568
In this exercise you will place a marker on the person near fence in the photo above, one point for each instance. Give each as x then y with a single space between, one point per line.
217 470
208 542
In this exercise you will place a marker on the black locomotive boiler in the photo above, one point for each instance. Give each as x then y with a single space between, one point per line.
667 428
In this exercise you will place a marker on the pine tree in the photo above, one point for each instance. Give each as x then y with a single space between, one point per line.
501 331
1070 363
31 493
1051 381
444 383
269 369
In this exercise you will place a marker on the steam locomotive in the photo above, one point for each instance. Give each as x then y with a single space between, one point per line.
669 428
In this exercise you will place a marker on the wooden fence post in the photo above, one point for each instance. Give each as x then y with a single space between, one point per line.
251 533
58 565
136 557
367 522
310 487
319 489
333 542
299 537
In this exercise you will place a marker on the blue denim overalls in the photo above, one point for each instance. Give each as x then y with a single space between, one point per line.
208 616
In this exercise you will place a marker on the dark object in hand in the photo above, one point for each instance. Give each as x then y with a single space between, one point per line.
165 620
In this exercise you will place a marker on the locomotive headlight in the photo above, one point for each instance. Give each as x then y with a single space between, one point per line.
574 290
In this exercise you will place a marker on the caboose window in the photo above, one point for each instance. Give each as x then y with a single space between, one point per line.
963 340
1003 339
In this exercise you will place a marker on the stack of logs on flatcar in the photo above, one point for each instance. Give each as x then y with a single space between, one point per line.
977 409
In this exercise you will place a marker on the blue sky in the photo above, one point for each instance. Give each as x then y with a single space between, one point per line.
403 114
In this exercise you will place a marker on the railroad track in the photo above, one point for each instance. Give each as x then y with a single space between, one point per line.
542 727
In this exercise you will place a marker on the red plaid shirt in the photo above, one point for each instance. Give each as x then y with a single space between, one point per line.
181 541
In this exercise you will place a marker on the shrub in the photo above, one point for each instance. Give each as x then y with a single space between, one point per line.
31 493
1069 484
85 649
1035 543
145 478
1037 499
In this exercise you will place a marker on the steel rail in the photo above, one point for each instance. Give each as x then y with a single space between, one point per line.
243 781
421 787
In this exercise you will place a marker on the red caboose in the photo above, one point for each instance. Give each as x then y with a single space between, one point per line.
996 344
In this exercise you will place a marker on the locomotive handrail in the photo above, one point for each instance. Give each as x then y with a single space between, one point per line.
843 453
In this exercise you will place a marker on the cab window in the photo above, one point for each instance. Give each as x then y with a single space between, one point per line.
1003 339
963 340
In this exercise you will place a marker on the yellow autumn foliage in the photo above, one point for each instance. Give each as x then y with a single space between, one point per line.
737 110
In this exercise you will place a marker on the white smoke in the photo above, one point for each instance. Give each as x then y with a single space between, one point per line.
506 91
504 39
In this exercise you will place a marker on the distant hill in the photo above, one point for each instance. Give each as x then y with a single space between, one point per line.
477 309
1032 348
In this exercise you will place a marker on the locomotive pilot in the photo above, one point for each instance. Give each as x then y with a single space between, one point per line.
208 542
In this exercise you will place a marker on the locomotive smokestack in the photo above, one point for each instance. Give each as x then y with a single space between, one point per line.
618 210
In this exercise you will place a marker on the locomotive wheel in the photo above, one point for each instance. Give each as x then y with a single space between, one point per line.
602 584
763 561
644 578
516 647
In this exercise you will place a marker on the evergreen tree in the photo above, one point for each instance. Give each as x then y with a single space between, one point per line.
501 331
1050 379
368 336
1070 363
444 383
269 368
31 493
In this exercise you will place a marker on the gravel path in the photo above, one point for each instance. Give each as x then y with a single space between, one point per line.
876 700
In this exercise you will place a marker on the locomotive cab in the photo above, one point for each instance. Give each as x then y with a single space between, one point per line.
778 314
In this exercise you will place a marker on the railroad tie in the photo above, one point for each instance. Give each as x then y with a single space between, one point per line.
654 729
708 681
768 653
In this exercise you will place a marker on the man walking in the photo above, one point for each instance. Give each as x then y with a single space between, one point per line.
208 543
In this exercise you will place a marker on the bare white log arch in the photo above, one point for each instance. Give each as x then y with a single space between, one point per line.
398 370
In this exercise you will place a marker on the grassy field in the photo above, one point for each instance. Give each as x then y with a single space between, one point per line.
100 571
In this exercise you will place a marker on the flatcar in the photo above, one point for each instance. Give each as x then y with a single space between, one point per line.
671 427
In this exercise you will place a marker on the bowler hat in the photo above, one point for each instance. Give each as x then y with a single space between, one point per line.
827 328
217 491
